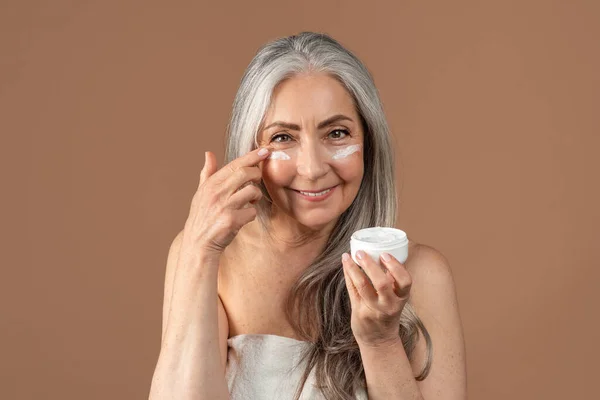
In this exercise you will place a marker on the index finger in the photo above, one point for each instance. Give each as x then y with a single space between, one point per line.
400 274
249 159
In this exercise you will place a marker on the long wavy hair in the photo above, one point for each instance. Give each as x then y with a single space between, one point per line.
318 305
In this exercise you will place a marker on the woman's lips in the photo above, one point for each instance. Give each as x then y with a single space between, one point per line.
314 195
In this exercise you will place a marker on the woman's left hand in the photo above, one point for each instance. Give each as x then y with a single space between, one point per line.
376 306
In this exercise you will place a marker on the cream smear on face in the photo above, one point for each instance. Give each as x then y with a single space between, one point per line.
337 155
279 155
346 151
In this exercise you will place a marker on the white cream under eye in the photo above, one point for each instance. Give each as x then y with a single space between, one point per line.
339 154
279 155
346 151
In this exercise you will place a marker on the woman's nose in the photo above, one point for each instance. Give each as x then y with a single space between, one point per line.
312 162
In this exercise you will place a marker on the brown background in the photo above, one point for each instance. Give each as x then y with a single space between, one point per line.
110 106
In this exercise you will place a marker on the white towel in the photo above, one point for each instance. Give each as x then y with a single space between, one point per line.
264 367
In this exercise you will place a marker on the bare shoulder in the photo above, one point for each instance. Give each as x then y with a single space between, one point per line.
433 290
428 266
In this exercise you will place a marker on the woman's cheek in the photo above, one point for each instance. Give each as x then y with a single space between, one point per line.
351 169
278 173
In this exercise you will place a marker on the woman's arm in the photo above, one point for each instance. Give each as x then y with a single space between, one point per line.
388 371
378 296
172 260
189 365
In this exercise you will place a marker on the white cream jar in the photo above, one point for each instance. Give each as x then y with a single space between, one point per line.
378 240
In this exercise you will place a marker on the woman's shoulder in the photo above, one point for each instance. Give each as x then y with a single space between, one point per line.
427 264
433 291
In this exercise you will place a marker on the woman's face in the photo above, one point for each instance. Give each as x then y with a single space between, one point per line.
316 166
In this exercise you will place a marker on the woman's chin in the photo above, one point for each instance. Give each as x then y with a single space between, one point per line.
314 220
317 222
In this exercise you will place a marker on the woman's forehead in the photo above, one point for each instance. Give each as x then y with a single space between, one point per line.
309 99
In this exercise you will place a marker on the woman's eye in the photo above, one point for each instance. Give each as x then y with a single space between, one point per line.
281 138
338 134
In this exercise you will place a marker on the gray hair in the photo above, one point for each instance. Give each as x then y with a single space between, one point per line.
318 305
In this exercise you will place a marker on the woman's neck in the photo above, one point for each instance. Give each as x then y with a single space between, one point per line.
284 239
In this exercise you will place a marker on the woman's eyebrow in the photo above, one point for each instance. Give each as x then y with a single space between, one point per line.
294 127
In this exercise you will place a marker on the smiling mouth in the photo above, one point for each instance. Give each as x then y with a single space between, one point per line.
314 193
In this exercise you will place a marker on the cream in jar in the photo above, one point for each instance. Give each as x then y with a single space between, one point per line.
378 240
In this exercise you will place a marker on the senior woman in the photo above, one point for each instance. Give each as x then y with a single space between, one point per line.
261 299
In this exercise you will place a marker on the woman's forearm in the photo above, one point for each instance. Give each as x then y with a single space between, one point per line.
189 364
388 373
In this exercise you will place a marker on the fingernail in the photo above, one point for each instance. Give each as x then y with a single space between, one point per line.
263 152
360 254
345 257
386 257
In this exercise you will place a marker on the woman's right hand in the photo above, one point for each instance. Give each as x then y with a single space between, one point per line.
219 206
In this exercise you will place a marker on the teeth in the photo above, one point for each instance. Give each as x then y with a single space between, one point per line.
316 194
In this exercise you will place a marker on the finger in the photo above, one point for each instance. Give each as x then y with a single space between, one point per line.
401 276
209 168
248 194
250 159
244 215
240 178
352 291
359 280
382 282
